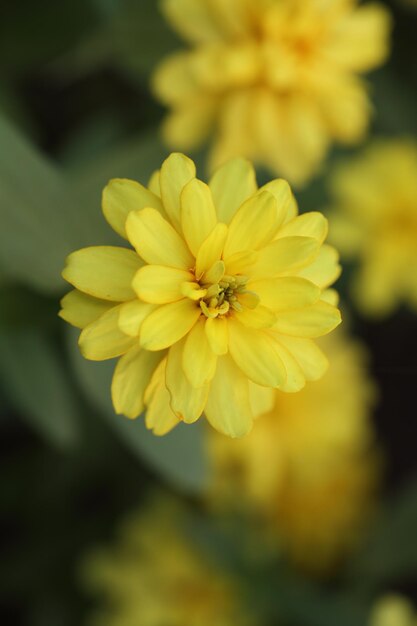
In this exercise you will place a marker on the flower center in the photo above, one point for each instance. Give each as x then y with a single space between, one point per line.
224 295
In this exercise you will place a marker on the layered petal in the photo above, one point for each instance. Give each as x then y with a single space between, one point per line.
131 316
312 321
156 241
79 309
187 401
284 255
211 250
198 215
105 272
198 359
176 171
103 338
311 224
228 406
308 355
168 324
160 418
325 269
285 292
231 185
159 284
255 355
130 379
217 334
120 196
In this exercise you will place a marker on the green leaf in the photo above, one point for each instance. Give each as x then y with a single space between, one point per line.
41 220
35 382
179 457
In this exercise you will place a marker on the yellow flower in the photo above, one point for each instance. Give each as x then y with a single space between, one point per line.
375 222
154 576
393 610
217 303
275 81
306 470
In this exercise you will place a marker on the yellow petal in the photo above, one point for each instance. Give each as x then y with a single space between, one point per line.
211 250
285 292
131 316
307 225
79 309
103 338
331 296
242 262
217 335
228 407
254 224
295 379
168 324
261 317
231 185
159 418
253 351
215 273
310 358
176 171
198 359
198 215
104 272
284 255
187 402
159 284
130 379
156 241
325 269
120 196
284 196
313 321
190 121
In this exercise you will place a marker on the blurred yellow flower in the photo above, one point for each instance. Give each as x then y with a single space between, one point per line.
154 576
393 610
275 81
217 303
308 469
375 222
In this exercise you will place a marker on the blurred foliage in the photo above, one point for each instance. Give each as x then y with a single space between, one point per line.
75 110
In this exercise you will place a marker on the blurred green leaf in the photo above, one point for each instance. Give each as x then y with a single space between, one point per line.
35 382
178 457
41 219
391 551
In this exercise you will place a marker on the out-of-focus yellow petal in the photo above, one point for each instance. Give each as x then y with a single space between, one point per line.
104 272
262 399
217 335
198 215
131 316
120 196
130 379
154 184
254 224
211 250
103 338
187 126
308 225
187 401
79 309
254 354
283 255
325 269
193 20
361 40
159 284
159 418
285 292
228 406
313 321
198 359
174 81
176 171
231 185
168 324
156 241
